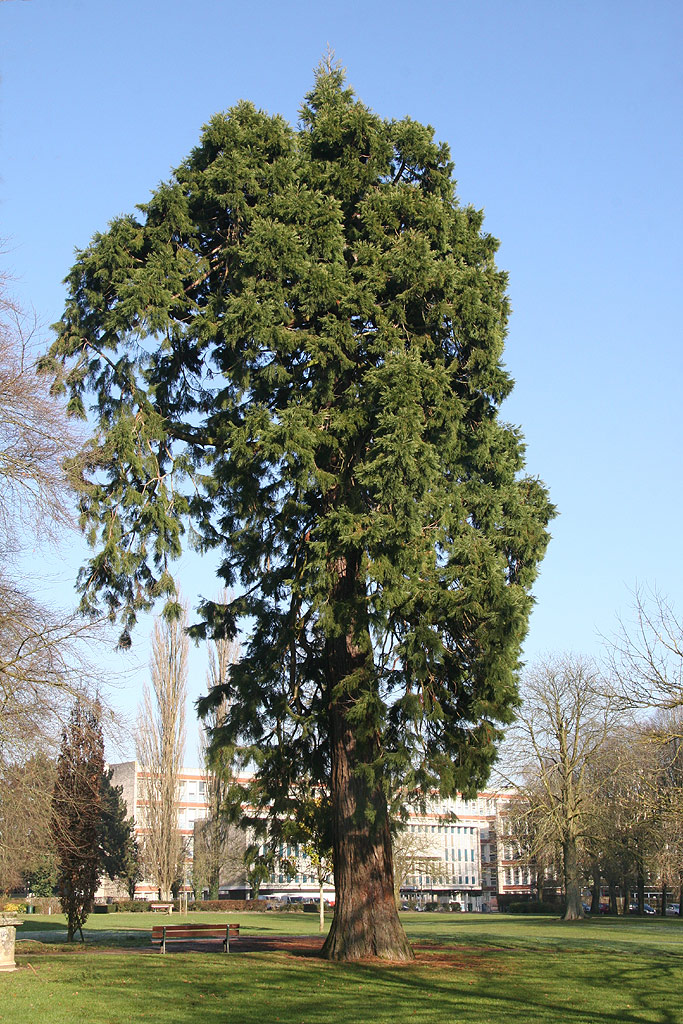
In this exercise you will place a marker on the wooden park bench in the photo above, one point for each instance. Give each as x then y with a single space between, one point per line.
164 933
163 908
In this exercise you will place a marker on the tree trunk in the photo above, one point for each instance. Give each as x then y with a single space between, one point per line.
366 921
626 894
322 905
613 905
641 887
665 892
540 877
595 897
572 890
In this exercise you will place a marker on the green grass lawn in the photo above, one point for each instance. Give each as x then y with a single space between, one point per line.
472 968
133 930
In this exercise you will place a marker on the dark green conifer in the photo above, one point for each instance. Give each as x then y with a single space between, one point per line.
296 347
77 814
118 848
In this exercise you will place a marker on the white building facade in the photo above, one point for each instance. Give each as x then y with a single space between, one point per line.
449 852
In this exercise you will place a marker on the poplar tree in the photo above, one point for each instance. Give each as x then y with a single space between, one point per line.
295 346
160 745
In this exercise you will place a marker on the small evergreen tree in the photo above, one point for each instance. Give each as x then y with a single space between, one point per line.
77 814
118 847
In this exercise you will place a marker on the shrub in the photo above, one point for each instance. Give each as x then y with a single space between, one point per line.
535 907
132 906
224 905
506 899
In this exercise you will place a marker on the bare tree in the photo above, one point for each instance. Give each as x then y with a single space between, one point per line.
531 838
646 657
215 849
44 657
217 865
25 805
43 653
160 744
35 438
412 852
661 738
567 714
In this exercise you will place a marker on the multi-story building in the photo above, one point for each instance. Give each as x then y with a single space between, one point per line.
459 853
450 851
191 805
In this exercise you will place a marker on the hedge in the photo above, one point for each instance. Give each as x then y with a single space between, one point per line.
536 907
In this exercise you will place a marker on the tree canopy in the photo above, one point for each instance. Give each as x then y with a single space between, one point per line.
293 355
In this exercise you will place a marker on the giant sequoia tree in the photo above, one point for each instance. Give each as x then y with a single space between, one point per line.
296 347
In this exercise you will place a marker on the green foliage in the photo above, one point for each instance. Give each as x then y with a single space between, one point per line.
258 864
296 347
76 814
119 854
535 907
132 906
41 880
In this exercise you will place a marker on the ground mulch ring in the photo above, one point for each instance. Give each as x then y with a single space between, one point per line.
426 954
306 946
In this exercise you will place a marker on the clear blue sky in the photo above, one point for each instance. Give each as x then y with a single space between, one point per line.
564 121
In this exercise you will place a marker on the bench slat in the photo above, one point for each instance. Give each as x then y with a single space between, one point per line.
174 932
172 928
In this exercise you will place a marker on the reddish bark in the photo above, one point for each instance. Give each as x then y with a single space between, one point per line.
365 920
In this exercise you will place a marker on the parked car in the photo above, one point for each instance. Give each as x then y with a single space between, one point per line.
672 909
647 909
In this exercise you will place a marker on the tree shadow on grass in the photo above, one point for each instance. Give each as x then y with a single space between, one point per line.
276 986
